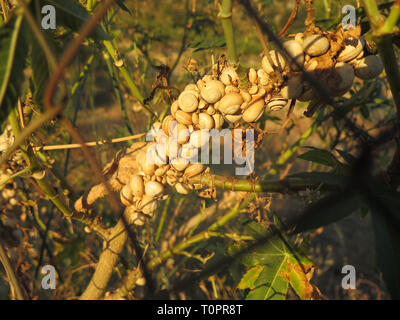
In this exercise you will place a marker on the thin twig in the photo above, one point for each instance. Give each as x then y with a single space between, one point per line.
89 144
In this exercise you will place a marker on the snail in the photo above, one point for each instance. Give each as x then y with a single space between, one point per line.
369 67
315 45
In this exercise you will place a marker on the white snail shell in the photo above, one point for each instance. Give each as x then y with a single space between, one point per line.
168 124
277 59
154 189
199 138
218 120
254 111
229 76
233 118
346 72
295 51
188 101
315 45
277 103
353 47
230 103
137 186
182 188
252 75
148 205
213 91
369 67
180 164
126 195
205 121
194 170
183 117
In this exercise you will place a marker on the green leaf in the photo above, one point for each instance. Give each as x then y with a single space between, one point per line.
12 63
72 15
273 266
320 156
330 209
387 241
250 277
121 4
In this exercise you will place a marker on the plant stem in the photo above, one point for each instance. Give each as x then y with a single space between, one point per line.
225 15
392 19
15 175
14 284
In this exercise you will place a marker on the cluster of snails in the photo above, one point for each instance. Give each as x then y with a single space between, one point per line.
219 100
8 196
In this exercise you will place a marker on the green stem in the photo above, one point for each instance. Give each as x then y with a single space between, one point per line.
202 235
286 185
225 15
15 175
392 19
112 51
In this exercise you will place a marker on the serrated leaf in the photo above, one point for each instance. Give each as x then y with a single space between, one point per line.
299 276
72 15
250 277
12 62
330 209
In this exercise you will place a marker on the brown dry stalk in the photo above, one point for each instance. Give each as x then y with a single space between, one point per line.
310 19
290 20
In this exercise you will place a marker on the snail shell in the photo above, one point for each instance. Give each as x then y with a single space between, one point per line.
191 86
315 45
213 91
154 189
230 103
183 117
293 88
188 100
295 51
199 138
218 120
188 152
252 75
263 77
194 170
231 89
205 121
161 171
182 188
246 96
233 118
369 67
174 107
277 60
229 76
346 73
126 195
148 205
211 110
133 216
180 164
168 124
277 103
353 47
254 111
137 186
195 118
181 133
